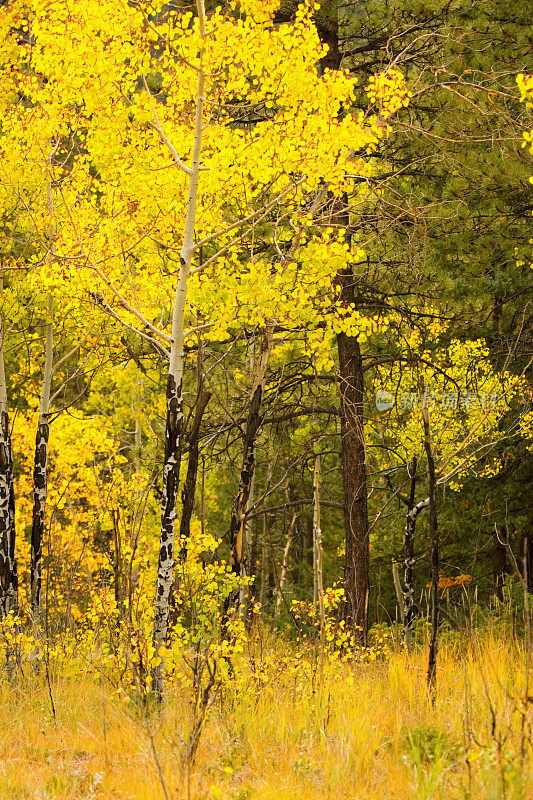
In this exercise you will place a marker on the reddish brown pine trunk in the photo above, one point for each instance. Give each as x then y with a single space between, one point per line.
356 570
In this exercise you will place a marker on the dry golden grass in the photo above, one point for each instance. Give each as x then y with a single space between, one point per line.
370 732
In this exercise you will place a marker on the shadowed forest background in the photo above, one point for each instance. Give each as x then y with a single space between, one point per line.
266 432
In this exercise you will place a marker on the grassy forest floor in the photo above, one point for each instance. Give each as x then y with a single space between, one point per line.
370 731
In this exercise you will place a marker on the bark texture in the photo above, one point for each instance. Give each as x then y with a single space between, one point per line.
351 384
171 474
40 470
317 564
434 554
8 564
40 463
409 568
188 494
39 509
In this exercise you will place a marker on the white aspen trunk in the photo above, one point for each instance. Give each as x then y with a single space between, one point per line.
317 549
8 564
40 464
174 420
40 468
409 564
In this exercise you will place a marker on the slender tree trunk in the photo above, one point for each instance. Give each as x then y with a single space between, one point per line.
317 536
40 470
189 486
356 571
174 396
187 504
409 564
245 591
237 530
40 466
434 553
409 555
187 498
409 561
317 562
285 562
8 563
263 592
265 562
499 563
398 589
527 563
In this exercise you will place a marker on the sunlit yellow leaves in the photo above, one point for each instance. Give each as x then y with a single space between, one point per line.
102 77
467 401
525 84
389 90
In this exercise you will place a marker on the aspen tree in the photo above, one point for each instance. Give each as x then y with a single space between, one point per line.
40 470
8 563
174 398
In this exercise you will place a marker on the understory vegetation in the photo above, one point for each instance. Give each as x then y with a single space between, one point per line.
278 730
